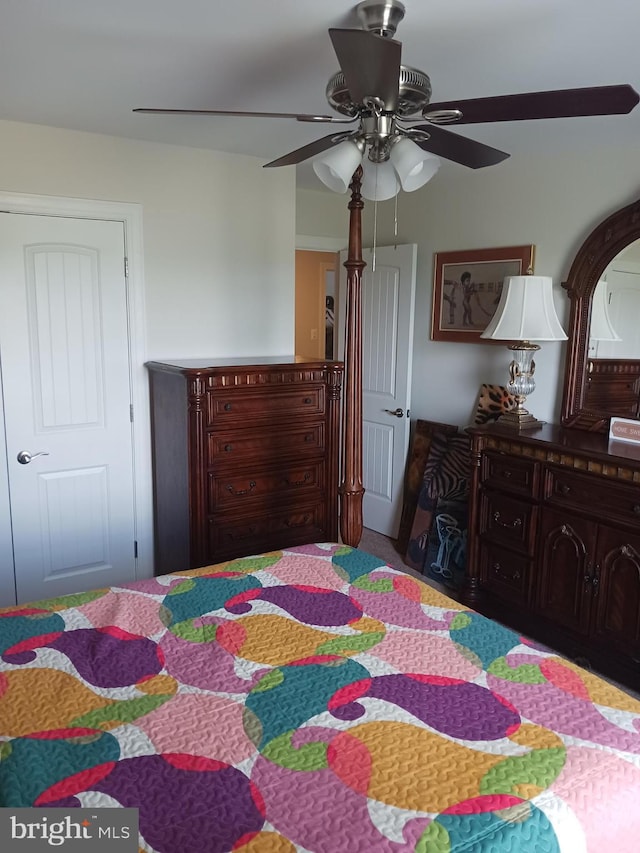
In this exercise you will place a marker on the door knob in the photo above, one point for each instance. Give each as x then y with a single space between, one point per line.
24 457
399 413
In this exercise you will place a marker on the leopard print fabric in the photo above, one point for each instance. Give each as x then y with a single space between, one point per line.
493 401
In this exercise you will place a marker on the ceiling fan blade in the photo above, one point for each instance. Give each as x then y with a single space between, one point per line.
296 116
562 103
309 150
370 64
460 149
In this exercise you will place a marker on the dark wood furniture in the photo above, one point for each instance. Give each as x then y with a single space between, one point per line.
595 389
554 517
554 541
245 456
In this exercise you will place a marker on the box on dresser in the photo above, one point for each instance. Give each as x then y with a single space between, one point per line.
245 456
554 541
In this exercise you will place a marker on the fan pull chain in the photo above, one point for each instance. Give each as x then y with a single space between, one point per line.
395 219
375 233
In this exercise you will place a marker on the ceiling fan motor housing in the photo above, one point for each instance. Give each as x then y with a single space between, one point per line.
380 16
413 95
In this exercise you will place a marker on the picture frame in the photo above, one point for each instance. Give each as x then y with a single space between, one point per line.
467 287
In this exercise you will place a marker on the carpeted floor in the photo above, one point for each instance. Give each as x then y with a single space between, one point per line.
385 548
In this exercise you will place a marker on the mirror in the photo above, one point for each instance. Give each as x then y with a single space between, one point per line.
614 331
602 370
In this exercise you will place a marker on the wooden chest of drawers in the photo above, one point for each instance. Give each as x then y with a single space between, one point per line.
554 542
245 457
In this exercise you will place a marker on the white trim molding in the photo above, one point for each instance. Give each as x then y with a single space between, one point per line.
308 243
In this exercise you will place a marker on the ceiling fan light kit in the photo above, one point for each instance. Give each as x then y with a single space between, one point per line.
406 166
379 181
414 166
384 99
336 167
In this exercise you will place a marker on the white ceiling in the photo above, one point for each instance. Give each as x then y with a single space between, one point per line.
84 64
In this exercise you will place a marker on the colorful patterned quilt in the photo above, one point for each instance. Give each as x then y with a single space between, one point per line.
312 699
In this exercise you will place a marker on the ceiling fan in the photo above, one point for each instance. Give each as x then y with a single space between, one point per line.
383 99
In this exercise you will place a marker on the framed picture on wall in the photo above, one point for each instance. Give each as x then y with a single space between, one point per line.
467 287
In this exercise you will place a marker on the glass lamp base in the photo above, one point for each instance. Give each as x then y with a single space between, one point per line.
521 384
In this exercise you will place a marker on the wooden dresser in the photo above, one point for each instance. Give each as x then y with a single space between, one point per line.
554 542
245 456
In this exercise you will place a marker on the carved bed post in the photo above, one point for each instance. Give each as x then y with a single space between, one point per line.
351 487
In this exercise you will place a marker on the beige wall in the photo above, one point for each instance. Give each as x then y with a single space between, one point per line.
320 213
550 199
219 232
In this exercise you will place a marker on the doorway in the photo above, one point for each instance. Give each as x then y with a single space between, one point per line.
316 275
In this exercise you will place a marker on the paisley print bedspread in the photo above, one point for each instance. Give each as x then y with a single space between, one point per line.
312 699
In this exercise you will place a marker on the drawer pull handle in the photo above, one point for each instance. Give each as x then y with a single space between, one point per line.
227 407
504 473
308 401
636 509
233 491
228 448
512 525
498 572
565 489
308 437
301 482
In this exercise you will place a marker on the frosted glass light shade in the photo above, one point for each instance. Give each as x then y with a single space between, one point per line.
525 312
379 181
414 166
335 167
600 328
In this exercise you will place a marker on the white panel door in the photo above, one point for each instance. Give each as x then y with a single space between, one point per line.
66 385
388 296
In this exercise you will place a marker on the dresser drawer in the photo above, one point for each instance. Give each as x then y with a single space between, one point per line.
292 480
565 488
230 536
236 446
507 520
504 572
242 406
509 473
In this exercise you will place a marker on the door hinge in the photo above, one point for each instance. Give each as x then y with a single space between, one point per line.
131 412
126 267
135 549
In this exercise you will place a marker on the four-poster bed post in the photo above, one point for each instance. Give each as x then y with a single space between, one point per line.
351 487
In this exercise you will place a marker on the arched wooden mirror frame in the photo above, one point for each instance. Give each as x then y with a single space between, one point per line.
601 246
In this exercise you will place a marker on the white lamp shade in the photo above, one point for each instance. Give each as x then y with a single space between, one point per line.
335 167
600 328
414 166
379 181
526 311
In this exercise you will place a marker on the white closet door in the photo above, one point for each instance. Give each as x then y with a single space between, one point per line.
66 386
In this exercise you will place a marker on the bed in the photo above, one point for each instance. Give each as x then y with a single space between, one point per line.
311 699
